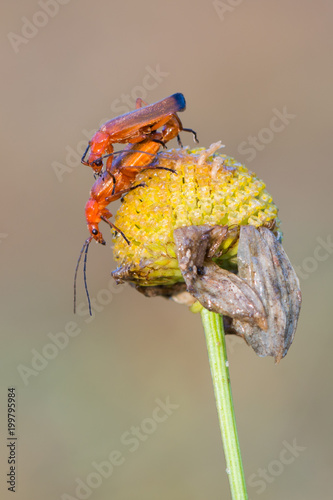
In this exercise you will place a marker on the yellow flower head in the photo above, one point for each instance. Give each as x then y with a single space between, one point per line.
206 188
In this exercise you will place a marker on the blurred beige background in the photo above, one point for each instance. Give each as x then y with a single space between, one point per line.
238 63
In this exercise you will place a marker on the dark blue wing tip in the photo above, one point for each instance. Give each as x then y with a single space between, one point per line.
180 100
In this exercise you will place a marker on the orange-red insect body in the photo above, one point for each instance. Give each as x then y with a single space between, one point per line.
134 127
119 180
139 129
111 185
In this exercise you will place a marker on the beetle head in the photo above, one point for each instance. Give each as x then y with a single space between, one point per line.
93 218
99 145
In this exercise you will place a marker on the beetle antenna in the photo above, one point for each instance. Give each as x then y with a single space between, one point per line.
114 183
84 250
129 151
162 143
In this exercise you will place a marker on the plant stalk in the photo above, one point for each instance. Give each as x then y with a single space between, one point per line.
217 353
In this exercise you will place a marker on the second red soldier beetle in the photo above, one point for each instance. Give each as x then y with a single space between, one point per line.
134 127
112 185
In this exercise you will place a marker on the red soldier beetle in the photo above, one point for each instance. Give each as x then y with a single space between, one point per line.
134 127
113 184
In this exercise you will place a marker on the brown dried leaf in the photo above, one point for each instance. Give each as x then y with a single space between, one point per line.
216 289
263 263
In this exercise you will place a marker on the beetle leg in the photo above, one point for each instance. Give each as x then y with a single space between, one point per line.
109 153
195 138
125 191
172 128
139 103
149 167
163 168
115 228
142 184
83 160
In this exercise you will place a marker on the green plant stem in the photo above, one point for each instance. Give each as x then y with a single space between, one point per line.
217 353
